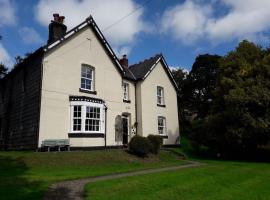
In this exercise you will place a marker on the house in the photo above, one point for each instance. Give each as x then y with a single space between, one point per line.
76 88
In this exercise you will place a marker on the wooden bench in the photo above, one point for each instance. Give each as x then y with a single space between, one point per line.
55 143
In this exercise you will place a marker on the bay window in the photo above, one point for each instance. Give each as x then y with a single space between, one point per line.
87 117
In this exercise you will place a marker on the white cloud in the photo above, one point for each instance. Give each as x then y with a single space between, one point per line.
105 13
7 13
196 20
178 67
5 57
30 36
186 21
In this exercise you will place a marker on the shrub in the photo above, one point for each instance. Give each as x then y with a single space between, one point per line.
140 146
156 142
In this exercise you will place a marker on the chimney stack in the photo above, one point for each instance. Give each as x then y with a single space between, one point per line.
57 28
124 61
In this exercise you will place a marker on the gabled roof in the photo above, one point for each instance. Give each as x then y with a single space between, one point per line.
90 22
135 72
143 69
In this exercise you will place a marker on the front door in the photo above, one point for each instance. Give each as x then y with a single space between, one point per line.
125 122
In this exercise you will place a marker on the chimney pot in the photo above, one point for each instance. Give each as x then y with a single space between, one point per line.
56 28
124 61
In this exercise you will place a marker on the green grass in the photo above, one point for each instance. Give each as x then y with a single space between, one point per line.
26 175
218 180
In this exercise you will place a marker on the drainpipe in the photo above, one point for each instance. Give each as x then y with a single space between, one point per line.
105 135
136 122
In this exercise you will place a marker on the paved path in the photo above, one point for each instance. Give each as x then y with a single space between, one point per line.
74 190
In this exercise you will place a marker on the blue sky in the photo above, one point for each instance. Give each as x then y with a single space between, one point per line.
180 29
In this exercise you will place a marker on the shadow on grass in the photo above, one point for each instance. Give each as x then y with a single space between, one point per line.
58 193
13 184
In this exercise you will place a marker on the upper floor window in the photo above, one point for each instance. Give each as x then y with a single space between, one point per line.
87 78
160 95
126 91
162 125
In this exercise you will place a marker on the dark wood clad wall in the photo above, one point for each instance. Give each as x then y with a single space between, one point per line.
20 107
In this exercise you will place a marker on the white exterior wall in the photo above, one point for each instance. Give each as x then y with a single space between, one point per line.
61 78
148 104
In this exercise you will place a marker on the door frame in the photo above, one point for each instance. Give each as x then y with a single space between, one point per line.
126 116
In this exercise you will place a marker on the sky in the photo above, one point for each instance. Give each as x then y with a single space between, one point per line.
179 29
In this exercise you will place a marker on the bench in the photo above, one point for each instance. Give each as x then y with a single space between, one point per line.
55 143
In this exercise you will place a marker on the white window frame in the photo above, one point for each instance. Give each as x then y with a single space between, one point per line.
83 116
160 97
125 91
91 79
163 126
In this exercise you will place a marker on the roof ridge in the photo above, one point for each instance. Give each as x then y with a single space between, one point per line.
156 56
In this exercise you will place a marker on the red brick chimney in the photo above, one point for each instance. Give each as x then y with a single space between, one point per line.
57 28
124 61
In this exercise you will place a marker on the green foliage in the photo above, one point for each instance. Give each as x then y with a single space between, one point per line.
3 70
200 84
140 146
156 142
238 119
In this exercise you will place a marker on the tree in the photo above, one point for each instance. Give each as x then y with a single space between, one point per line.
3 70
180 77
200 84
239 118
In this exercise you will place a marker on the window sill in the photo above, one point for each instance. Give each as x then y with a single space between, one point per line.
160 105
86 135
126 101
164 136
88 91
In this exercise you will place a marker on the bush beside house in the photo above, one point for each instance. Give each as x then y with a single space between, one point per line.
141 146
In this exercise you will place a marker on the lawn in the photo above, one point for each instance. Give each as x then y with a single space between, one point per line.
26 175
218 180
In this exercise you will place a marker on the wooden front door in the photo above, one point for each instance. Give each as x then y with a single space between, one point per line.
125 123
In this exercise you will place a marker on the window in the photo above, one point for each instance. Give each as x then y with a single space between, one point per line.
77 118
126 91
160 95
87 78
161 125
87 117
92 120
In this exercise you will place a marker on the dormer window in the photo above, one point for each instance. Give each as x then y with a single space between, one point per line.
87 78
160 96
126 92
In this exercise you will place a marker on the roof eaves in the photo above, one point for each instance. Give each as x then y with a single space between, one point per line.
151 69
169 72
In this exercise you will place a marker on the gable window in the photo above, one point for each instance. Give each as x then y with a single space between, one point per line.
87 117
87 77
160 95
162 125
126 91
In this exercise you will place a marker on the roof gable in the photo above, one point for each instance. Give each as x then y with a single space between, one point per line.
143 69
90 22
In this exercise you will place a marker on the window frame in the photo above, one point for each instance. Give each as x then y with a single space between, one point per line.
92 79
161 96
164 127
125 92
84 106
